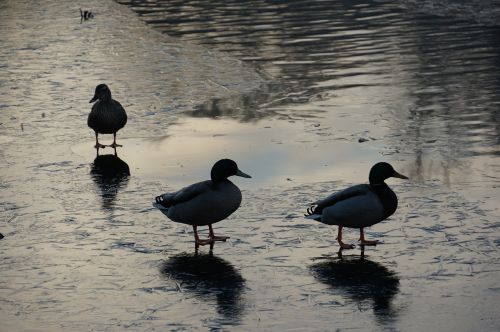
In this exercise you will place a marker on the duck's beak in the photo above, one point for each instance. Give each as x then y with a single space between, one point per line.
243 175
94 98
399 176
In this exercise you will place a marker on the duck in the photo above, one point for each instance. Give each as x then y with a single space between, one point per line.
359 206
205 203
107 115
86 14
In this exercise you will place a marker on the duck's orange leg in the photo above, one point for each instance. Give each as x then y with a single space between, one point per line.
342 244
364 242
97 144
216 238
199 242
114 145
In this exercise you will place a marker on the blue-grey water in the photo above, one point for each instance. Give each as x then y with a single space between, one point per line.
305 96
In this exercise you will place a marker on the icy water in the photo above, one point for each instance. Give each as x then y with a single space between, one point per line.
305 96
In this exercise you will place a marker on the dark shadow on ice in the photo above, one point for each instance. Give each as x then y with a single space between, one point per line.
366 282
110 173
211 279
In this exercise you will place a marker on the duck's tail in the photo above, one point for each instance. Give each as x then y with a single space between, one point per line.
163 209
311 214
160 207
160 204
316 217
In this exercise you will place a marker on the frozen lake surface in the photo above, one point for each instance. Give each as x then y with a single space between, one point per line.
305 96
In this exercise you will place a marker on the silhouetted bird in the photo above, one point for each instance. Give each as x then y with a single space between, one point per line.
86 14
205 203
359 206
107 115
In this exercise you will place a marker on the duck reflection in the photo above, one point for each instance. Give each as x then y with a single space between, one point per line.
209 277
245 107
366 282
110 173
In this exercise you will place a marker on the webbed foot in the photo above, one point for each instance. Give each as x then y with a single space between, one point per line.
368 242
346 246
200 242
220 238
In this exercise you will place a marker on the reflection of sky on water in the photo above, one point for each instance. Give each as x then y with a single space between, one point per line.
278 152
273 153
421 77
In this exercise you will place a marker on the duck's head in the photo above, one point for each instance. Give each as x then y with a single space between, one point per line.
381 171
102 92
225 168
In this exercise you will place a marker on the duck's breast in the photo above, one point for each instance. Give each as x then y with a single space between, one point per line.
356 212
209 207
107 117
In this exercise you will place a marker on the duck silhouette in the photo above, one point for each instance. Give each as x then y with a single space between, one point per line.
86 14
107 115
205 203
359 206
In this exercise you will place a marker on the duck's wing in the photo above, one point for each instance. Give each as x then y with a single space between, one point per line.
317 207
121 115
93 116
118 106
167 200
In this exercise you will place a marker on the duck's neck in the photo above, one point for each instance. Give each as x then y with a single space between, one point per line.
220 181
387 197
106 98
